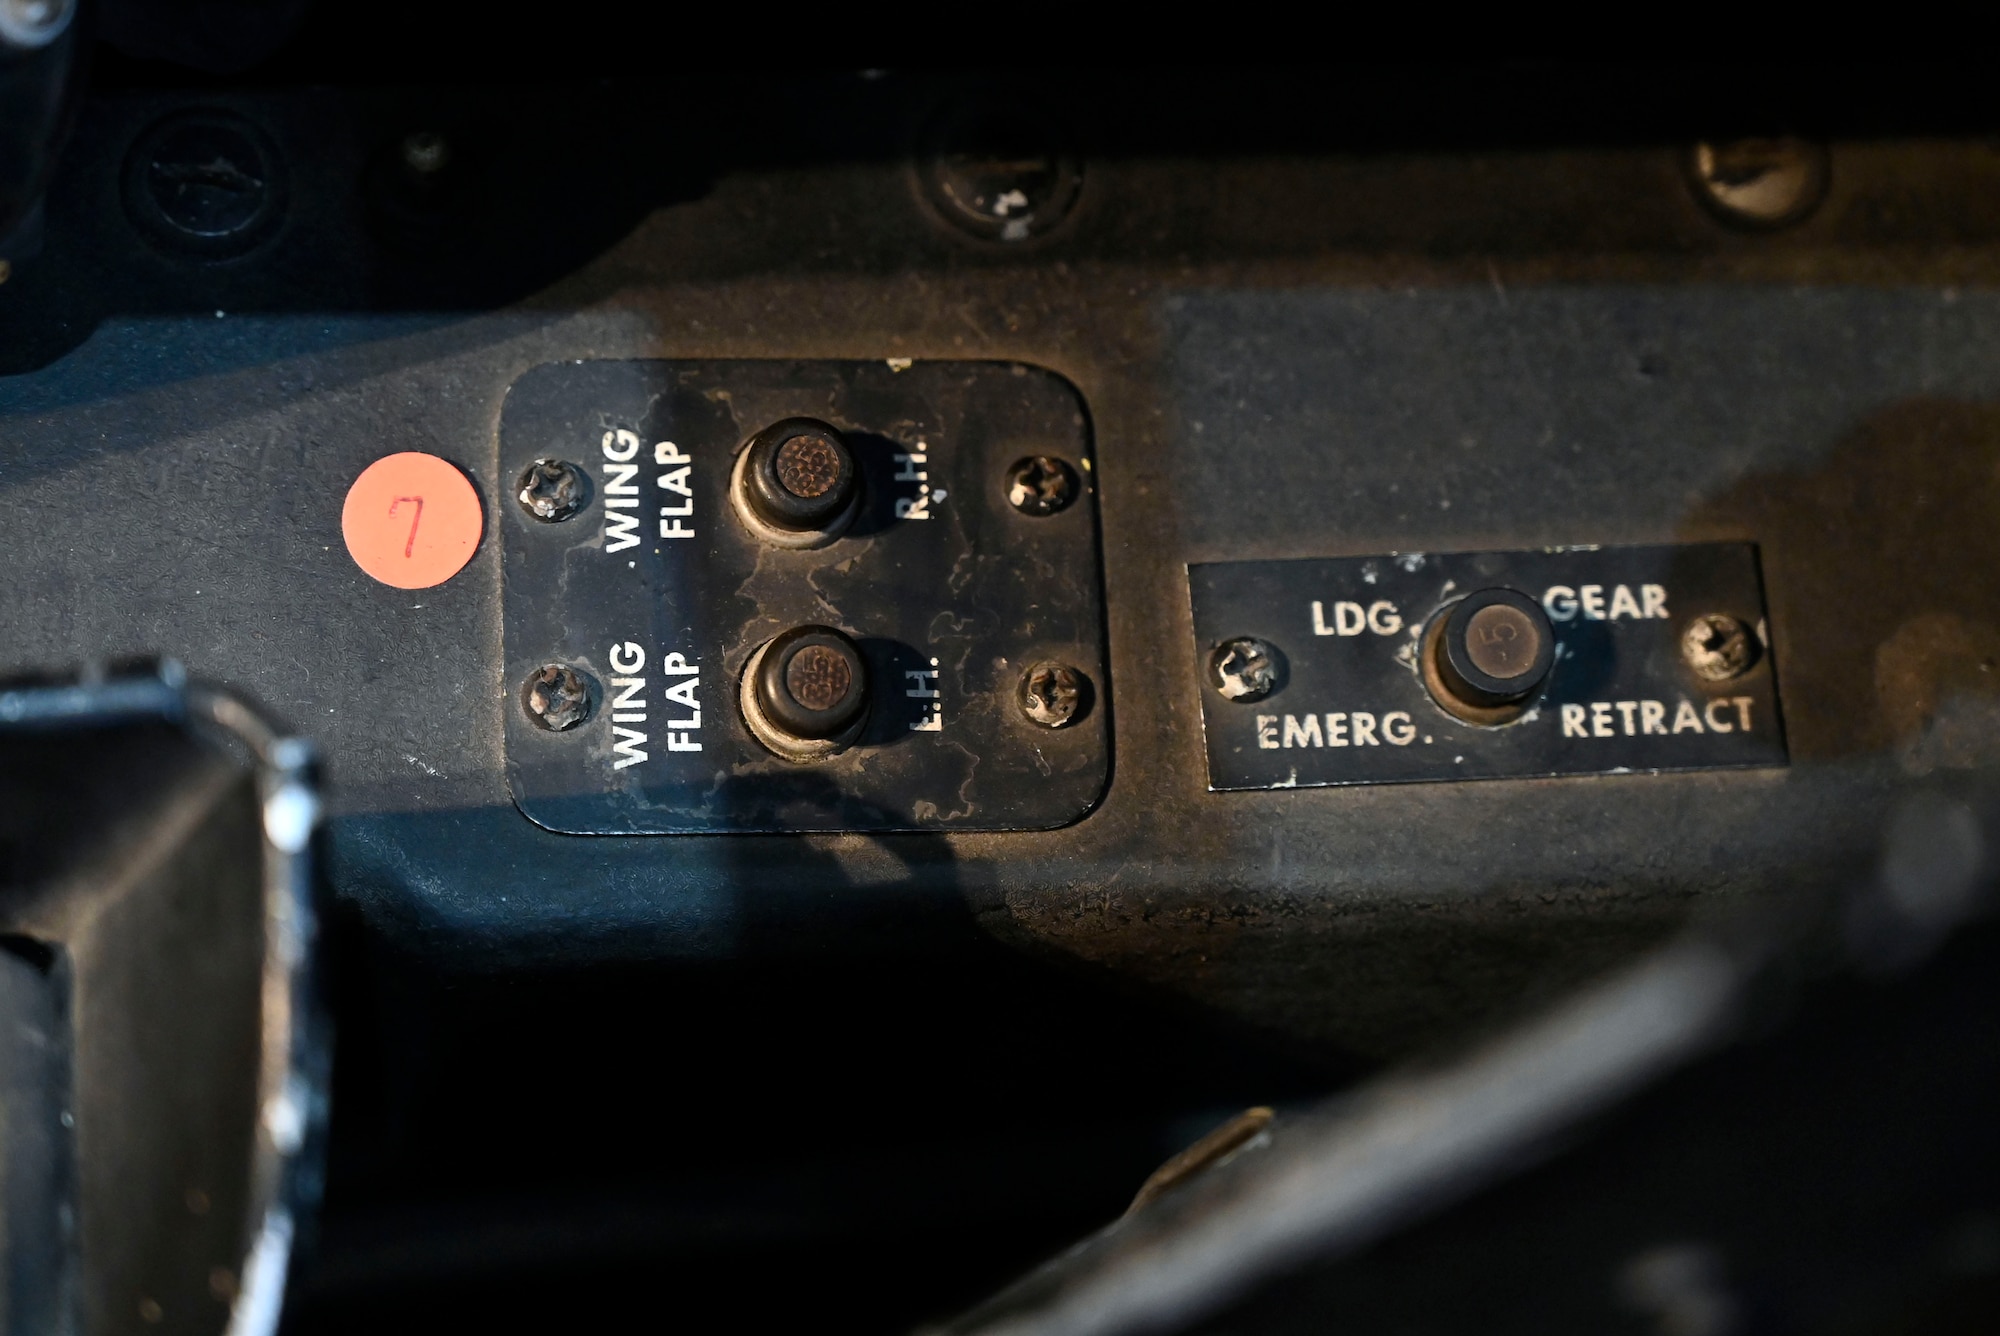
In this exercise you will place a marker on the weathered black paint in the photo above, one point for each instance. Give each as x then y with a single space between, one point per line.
950 591
1605 661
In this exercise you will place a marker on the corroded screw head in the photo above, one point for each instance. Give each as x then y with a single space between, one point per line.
1052 694
552 490
557 697
1040 485
1718 647
1246 669
32 24
1759 183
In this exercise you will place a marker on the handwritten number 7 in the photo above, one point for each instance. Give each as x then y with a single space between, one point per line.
414 520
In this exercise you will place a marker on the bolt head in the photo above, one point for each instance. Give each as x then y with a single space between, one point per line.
1759 183
556 697
1041 485
552 490
206 182
1246 669
1052 694
1718 647
998 176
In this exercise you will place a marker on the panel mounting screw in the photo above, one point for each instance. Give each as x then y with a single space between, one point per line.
1246 669
1718 647
1759 183
552 490
1052 694
1040 485
557 697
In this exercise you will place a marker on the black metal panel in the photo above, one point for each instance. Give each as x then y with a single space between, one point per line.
1353 708
950 591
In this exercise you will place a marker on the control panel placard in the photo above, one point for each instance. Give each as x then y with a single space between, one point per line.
1341 670
639 588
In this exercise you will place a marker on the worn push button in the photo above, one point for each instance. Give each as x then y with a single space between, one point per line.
796 484
1487 654
805 694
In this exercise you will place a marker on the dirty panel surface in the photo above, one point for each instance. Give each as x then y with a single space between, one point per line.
1350 705
661 598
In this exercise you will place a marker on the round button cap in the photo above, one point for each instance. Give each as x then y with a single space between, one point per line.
1497 648
812 683
798 475
1502 641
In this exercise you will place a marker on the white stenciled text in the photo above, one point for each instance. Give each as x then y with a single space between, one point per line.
1341 728
677 503
1655 718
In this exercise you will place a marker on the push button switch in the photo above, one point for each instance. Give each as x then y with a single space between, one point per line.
796 484
805 694
1488 654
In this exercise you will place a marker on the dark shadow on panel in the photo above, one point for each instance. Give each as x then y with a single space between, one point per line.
1882 575
866 1096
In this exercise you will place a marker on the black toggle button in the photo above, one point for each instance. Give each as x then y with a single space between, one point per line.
1495 649
797 482
806 694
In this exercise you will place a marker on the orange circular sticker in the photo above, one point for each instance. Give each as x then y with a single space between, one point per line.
411 520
